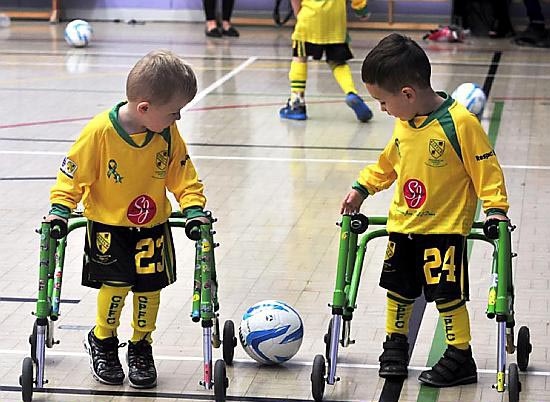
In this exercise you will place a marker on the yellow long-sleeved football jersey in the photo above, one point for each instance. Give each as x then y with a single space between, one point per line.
122 179
321 22
436 188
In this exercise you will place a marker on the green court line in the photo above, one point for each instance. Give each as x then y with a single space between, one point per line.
430 394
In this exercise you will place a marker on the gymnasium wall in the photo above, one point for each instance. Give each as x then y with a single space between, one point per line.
191 10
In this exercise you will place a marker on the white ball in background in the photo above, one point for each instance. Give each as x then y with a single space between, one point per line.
471 96
78 33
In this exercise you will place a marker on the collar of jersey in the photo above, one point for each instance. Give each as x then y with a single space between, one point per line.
113 116
437 113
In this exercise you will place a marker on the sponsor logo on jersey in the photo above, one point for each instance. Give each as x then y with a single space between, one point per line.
390 250
68 167
141 210
103 241
415 193
161 164
486 155
436 149
112 171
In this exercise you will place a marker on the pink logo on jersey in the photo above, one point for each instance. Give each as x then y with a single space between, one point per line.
141 210
415 193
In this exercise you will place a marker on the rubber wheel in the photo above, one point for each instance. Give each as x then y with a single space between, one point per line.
26 379
326 339
318 378
228 342
32 341
514 386
524 348
220 381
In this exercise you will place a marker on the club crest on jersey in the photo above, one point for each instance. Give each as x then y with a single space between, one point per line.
112 171
390 250
103 241
161 164
436 149
68 167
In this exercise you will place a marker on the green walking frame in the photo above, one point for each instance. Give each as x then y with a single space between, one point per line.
351 255
205 306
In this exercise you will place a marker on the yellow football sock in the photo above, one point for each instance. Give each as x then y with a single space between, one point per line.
146 307
110 301
298 77
342 74
398 313
456 323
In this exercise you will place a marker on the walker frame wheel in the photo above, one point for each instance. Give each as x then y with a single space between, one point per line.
220 381
32 341
229 341
514 385
524 348
26 380
318 380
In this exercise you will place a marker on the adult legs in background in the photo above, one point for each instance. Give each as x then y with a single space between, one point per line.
211 22
227 11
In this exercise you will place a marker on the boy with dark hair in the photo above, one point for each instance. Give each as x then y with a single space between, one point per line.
442 162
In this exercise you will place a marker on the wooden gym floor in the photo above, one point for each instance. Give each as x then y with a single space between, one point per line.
275 187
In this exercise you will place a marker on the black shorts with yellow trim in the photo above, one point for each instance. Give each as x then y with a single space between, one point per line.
144 258
429 263
335 52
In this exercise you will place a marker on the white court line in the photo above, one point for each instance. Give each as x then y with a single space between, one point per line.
218 83
268 159
249 361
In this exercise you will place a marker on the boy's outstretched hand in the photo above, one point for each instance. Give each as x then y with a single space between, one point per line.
352 203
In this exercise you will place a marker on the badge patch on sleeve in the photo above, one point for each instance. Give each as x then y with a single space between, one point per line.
68 167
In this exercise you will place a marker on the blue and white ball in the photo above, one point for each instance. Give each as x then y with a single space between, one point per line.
78 33
271 332
472 96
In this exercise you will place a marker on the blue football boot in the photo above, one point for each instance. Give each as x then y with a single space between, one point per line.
294 110
360 108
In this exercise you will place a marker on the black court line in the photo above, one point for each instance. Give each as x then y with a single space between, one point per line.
33 300
150 394
28 178
392 389
217 145
489 79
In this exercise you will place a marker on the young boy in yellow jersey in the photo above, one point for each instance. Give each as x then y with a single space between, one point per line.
120 168
441 162
321 27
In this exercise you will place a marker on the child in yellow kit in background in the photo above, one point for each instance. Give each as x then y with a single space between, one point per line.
120 168
441 162
321 27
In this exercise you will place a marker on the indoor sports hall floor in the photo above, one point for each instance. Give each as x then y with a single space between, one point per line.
275 187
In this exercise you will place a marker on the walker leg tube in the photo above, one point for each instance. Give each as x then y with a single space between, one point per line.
40 354
501 356
334 339
207 353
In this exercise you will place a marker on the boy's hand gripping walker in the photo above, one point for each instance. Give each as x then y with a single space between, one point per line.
351 255
53 241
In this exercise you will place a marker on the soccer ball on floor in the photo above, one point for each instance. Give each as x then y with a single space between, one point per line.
271 332
78 33
472 96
